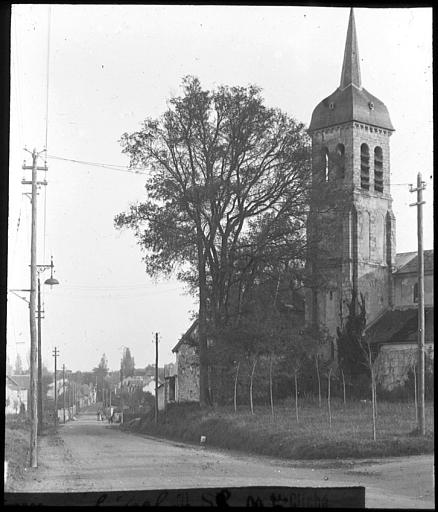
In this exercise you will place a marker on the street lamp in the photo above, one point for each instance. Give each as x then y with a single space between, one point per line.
51 281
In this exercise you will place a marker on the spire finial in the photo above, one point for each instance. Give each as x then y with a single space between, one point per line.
351 67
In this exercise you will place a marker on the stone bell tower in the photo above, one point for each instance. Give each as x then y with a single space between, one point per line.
350 131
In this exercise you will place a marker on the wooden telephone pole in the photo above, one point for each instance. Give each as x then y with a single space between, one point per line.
32 308
40 363
55 354
421 185
156 377
63 391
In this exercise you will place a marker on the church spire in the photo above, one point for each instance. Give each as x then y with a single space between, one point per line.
351 67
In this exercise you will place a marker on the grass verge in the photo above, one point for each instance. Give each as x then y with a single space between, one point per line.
17 434
350 434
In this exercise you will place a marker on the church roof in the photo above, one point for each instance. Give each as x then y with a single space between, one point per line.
407 262
401 326
350 101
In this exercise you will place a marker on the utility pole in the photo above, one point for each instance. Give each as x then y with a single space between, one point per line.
40 369
55 354
33 328
69 397
51 281
63 390
121 394
156 378
421 185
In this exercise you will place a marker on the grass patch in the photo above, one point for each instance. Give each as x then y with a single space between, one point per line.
350 435
17 438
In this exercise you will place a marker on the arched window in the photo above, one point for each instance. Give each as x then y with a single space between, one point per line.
325 163
365 167
378 169
340 154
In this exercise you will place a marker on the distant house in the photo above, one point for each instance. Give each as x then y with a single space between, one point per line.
17 393
134 382
149 386
51 389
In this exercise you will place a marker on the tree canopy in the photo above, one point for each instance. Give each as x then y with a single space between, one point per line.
227 192
127 365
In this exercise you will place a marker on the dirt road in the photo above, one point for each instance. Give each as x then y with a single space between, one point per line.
87 455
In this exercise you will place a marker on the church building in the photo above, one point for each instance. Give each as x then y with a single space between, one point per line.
351 234
353 240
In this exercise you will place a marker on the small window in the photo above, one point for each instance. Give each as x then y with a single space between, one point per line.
340 154
378 169
415 297
364 167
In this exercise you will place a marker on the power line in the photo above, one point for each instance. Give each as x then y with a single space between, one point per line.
16 67
113 167
47 72
115 287
47 129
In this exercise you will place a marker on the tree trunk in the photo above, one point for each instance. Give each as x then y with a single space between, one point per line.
343 386
319 381
250 385
235 386
270 384
373 392
296 396
328 398
373 400
204 400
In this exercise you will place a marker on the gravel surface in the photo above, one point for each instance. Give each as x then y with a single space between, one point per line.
87 455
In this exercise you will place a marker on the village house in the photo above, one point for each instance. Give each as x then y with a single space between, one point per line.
17 393
187 366
350 132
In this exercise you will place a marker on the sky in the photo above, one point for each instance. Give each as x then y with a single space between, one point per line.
82 75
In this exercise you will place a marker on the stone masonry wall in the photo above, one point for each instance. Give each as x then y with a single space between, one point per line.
188 374
394 362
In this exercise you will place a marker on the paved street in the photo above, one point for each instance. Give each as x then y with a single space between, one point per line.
88 455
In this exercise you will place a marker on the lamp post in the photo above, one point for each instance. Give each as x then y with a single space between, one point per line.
51 281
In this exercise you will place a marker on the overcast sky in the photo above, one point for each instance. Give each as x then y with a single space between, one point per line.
103 70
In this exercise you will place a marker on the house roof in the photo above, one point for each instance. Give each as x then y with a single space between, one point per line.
407 262
401 326
20 381
186 336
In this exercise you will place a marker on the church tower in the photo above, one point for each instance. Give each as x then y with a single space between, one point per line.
350 131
